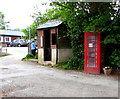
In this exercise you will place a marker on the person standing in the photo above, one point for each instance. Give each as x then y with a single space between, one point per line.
33 47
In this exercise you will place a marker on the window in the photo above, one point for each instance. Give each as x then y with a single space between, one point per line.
53 39
21 40
91 57
91 65
91 61
92 37
92 41
92 49
1 39
92 53
7 39
15 41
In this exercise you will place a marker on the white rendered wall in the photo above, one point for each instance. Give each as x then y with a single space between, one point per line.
41 56
64 55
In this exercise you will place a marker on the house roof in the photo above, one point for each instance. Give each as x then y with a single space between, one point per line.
49 24
11 33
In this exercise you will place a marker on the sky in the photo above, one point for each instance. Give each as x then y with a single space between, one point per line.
18 12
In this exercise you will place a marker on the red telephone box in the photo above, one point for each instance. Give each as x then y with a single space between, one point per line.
92 53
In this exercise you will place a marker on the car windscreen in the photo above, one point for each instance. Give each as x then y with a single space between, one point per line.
21 40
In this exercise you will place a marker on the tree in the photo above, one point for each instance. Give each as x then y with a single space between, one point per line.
40 19
3 24
83 17
33 31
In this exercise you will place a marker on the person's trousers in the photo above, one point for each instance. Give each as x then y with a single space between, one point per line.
33 52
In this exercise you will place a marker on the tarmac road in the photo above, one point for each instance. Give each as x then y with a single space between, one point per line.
27 79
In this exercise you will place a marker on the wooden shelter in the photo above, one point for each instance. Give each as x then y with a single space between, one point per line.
53 46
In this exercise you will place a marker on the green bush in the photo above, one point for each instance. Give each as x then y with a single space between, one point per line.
61 65
75 63
29 56
115 58
1 55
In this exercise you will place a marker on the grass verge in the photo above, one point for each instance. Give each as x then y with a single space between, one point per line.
61 65
29 56
2 55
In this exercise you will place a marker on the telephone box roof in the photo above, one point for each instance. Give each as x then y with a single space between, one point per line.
49 24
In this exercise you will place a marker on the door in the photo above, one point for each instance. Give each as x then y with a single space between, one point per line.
47 46
92 53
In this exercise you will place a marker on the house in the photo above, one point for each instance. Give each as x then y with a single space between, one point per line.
9 35
53 46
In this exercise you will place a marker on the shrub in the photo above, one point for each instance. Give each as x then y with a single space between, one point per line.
75 63
115 58
61 65
29 56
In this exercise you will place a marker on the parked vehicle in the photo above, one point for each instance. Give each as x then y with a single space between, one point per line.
28 41
17 42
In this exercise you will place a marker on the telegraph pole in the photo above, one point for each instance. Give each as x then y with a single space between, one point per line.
29 47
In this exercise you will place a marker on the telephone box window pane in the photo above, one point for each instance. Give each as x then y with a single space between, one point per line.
92 49
92 41
90 45
92 53
92 37
94 45
92 57
91 65
91 61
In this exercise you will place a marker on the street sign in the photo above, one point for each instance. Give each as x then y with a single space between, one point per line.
28 29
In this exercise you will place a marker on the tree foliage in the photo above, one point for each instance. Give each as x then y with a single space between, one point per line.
85 17
33 32
40 19
2 23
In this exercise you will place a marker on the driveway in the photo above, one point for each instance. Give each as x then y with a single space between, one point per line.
27 79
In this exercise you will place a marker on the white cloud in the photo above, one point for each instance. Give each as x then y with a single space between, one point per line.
18 11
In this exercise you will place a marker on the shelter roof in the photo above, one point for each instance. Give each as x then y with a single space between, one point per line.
49 24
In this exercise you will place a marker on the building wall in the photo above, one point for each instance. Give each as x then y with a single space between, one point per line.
11 38
64 55
40 38
41 55
63 40
53 56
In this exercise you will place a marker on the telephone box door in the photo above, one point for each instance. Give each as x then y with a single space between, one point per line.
92 53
